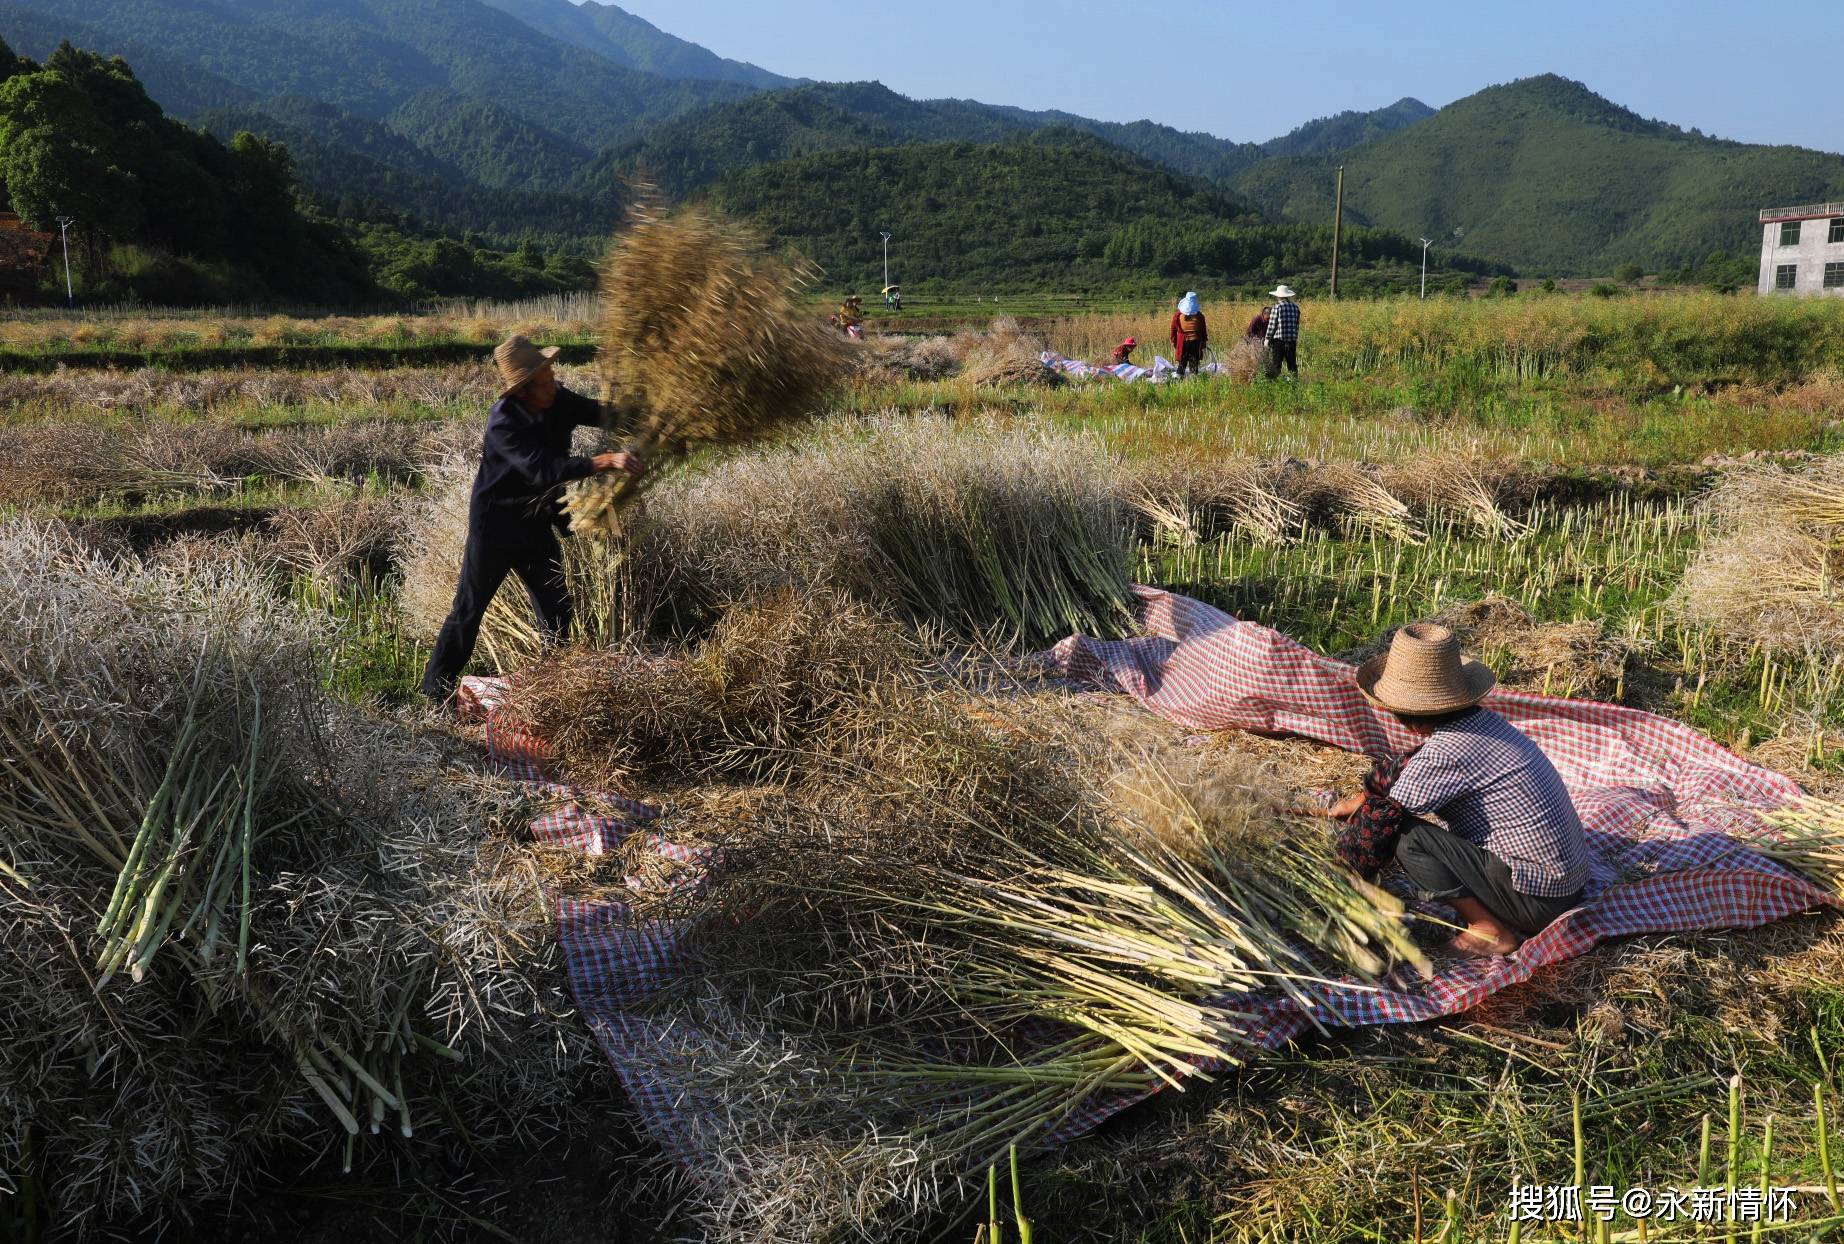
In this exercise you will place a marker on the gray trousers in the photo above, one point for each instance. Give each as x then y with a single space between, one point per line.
1446 866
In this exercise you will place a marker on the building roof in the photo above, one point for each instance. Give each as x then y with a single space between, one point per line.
1805 211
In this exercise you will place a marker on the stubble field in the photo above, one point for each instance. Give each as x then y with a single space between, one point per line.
1631 500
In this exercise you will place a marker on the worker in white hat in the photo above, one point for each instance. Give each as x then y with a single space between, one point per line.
1283 332
514 516
1512 856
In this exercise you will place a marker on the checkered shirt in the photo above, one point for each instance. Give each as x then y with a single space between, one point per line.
1284 321
1495 788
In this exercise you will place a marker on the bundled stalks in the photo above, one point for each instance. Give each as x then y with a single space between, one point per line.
1229 494
1772 571
705 336
241 915
976 529
955 935
1245 360
1808 837
747 701
1356 494
1466 487
1005 357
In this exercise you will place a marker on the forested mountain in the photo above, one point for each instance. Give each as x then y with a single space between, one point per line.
1347 129
1057 209
360 170
702 146
1544 174
79 136
634 42
368 57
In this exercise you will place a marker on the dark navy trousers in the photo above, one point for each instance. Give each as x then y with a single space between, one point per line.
530 551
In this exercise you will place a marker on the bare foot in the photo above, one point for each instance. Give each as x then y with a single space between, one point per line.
1486 941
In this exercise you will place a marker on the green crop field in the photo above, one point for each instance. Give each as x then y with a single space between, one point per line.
1570 481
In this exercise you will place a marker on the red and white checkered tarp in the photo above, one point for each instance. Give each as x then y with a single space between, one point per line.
1668 815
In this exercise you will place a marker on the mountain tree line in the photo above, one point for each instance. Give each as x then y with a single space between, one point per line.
165 212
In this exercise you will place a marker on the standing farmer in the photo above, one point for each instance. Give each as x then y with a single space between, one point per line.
513 516
1283 333
1189 334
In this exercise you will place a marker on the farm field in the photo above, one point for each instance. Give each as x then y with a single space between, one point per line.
1569 482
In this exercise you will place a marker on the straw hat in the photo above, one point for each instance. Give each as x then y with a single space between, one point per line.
1282 291
1423 673
519 360
1130 343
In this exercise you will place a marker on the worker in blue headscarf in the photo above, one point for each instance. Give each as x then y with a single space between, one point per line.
1189 334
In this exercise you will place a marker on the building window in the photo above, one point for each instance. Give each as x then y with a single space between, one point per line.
1789 233
1837 230
1834 276
1785 275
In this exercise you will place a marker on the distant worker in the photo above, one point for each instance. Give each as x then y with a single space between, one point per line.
1258 327
513 516
893 297
1123 353
851 316
1189 334
1283 333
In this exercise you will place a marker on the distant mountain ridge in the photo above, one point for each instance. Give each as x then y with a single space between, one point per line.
634 42
527 118
700 147
1547 175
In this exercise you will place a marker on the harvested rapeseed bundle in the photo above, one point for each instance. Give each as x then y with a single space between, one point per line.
705 341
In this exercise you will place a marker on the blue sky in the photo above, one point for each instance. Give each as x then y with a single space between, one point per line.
1253 70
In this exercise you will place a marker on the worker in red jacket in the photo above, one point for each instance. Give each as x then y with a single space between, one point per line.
1189 334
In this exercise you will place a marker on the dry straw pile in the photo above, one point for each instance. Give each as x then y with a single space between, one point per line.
705 341
978 529
1005 357
1772 570
238 918
962 912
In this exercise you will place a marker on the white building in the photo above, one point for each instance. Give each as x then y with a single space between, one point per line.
1802 249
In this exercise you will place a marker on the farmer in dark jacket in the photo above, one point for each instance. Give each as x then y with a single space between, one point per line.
513 517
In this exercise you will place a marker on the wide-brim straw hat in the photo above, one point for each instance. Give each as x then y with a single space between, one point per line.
1282 291
519 360
1424 673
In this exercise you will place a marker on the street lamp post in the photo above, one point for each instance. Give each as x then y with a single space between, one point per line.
64 224
1425 244
886 237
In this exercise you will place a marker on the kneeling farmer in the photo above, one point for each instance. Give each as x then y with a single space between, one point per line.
513 517
1513 856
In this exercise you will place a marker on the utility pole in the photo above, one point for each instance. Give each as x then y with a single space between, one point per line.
1338 221
64 224
886 265
1425 244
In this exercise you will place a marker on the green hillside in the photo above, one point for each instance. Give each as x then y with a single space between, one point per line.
702 146
1347 129
628 40
485 143
368 57
1548 176
361 171
1058 209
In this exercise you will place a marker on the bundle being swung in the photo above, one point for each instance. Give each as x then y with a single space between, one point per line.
705 342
